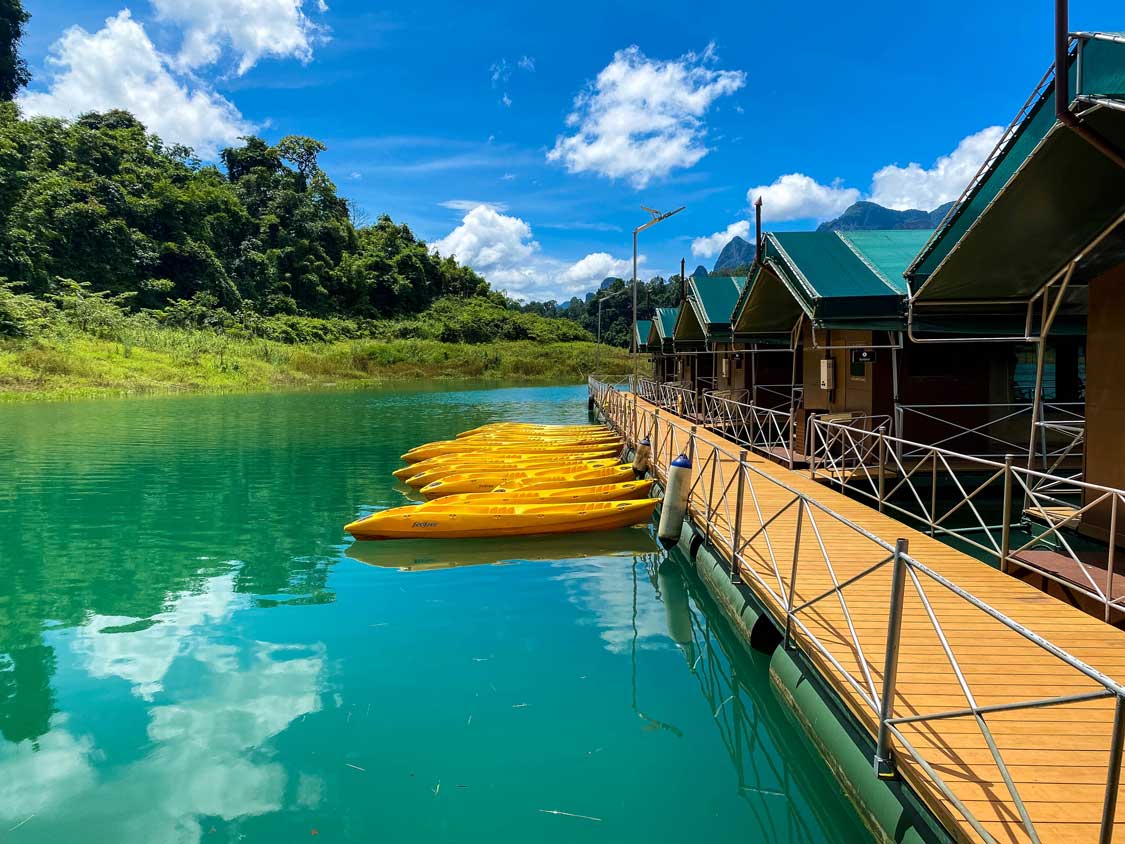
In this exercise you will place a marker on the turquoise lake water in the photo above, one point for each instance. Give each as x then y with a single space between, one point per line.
192 651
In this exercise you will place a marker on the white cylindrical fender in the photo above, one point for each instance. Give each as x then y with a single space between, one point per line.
640 457
674 509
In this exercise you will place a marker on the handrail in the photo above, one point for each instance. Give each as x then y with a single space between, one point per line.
725 497
967 437
870 465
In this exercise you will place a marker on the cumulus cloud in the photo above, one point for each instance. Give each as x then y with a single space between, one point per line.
796 196
712 245
502 248
251 29
915 186
594 268
642 118
119 67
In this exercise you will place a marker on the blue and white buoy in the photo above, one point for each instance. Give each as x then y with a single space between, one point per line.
674 509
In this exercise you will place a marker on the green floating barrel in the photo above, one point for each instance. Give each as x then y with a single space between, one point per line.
888 807
885 805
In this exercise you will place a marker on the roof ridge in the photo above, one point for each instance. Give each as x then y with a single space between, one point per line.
863 258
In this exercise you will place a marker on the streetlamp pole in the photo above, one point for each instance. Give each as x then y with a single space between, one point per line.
657 217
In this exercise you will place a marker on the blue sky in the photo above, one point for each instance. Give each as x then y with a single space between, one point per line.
524 137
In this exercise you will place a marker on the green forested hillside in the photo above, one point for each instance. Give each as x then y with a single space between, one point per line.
98 215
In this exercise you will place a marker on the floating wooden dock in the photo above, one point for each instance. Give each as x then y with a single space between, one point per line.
997 768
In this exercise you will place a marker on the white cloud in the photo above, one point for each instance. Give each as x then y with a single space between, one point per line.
466 205
506 101
118 67
796 196
490 241
712 245
642 118
527 63
500 71
914 186
591 270
252 29
502 248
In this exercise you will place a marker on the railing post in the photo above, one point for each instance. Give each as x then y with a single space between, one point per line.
1113 778
711 492
691 445
1110 561
933 493
792 591
736 533
1006 524
634 419
882 466
884 765
812 432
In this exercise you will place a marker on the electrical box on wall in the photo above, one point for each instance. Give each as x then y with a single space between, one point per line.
828 374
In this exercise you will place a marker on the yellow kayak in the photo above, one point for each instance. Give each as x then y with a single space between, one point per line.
522 427
571 495
488 481
438 449
521 436
515 461
618 474
439 473
461 521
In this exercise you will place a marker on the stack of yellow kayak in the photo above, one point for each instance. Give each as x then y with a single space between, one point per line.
515 479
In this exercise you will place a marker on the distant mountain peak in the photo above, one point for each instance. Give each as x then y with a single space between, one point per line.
700 272
870 216
737 254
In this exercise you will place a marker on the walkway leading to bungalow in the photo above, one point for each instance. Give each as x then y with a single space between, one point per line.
1002 705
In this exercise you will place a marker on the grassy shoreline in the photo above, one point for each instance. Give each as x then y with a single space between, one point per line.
77 365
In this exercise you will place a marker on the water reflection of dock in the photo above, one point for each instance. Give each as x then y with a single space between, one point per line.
776 769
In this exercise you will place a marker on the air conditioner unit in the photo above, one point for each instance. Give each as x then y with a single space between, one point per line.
828 374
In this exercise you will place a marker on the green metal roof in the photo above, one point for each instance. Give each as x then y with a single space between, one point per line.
711 301
642 329
836 279
663 329
1044 197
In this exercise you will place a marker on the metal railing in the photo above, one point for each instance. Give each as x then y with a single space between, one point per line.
649 390
994 504
991 430
762 525
766 430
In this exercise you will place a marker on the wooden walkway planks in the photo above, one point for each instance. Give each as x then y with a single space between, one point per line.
1057 757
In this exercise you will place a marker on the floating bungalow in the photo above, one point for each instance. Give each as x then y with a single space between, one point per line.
912 367
702 339
964 384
